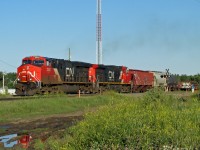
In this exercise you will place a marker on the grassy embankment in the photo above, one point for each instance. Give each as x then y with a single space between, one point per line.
61 104
155 121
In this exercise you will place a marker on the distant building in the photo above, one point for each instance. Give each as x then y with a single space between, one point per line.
2 91
8 91
11 91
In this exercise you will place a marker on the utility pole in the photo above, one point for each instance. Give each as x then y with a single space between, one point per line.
69 54
99 34
3 84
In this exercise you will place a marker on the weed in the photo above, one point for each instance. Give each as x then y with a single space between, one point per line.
157 121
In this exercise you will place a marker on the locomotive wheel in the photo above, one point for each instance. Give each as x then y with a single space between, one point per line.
19 92
31 92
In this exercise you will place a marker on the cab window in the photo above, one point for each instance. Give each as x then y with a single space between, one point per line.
26 62
38 62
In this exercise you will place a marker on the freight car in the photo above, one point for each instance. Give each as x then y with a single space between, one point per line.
172 83
160 79
39 75
140 80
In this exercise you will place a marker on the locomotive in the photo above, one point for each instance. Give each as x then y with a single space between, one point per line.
39 75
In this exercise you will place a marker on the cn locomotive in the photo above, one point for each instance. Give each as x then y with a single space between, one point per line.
40 75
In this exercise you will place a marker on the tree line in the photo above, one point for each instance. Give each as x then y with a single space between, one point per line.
9 79
188 78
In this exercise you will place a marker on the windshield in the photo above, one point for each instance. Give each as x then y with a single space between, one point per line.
38 62
26 62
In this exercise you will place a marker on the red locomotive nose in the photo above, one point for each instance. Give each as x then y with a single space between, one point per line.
29 73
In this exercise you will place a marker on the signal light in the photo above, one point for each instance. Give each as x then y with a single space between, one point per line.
165 76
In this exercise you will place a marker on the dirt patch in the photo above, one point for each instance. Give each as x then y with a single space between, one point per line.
40 128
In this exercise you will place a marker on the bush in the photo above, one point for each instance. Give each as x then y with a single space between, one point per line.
155 122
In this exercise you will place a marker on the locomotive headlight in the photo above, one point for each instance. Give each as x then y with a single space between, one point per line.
18 79
30 79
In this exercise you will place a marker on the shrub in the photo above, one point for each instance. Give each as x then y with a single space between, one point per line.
156 121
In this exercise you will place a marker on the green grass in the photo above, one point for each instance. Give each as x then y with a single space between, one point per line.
27 109
156 121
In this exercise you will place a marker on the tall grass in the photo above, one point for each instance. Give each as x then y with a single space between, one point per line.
154 121
157 121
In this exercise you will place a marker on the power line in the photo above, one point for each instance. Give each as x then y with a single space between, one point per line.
7 64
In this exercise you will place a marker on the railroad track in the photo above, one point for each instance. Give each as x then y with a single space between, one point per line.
17 98
13 98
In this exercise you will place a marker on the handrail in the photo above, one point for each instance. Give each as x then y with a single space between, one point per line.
14 82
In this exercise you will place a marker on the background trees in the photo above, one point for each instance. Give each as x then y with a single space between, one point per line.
188 78
9 79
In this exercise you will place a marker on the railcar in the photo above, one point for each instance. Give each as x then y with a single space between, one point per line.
172 83
142 80
39 75
160 79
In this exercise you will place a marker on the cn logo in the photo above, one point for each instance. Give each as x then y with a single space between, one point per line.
69 72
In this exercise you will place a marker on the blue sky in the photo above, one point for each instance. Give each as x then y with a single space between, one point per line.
140 34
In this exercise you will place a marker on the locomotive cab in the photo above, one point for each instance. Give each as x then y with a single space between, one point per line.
30 70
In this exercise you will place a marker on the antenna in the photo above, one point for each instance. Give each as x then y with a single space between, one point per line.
99 34
69 54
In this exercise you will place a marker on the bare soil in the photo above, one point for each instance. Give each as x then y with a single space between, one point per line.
40 128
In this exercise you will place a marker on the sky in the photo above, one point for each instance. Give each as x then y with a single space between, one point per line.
140 34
